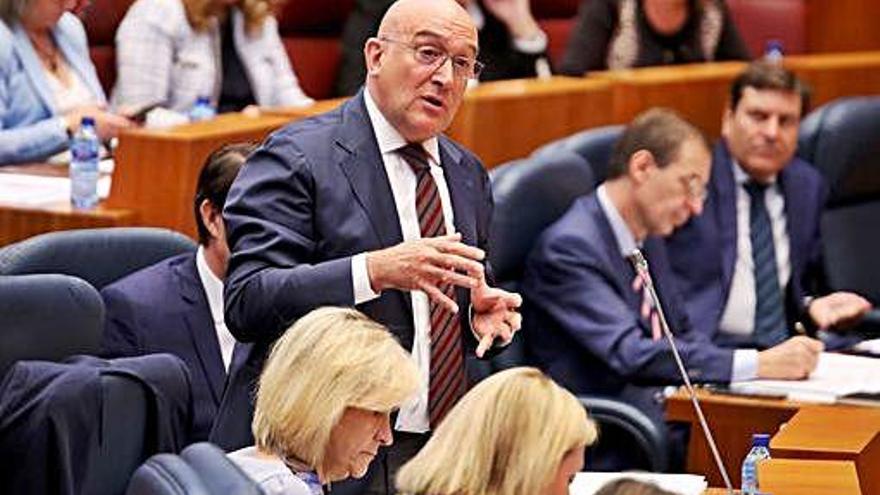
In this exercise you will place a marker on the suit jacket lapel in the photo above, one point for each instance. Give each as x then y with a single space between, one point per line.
621 270
724 190
460 186
33 68
362 164
794 224
200 324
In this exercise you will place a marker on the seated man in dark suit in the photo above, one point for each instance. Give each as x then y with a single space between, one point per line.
512 45
589 324
176 305
747 268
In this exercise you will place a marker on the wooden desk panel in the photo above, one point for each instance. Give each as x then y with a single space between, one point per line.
156 170
20 222
733 420
835 75
835 433
805 477
505 120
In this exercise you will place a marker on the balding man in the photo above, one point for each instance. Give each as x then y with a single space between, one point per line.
370 206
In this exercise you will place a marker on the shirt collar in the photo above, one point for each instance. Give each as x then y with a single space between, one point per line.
387 137
741 177
213 286
626 242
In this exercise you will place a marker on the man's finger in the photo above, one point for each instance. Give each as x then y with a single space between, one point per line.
445 245
485 344
459 263
445 276
514 320
438 296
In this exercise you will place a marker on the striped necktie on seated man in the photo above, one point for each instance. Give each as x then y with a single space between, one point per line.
770 324
447 375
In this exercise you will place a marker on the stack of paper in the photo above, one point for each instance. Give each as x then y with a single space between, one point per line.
588 483
836 375
24 190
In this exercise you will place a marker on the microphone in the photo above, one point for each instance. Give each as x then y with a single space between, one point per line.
640 264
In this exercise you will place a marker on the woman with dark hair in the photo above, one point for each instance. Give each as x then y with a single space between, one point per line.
621 34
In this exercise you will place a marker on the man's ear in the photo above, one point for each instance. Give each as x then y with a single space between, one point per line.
211 217
641 166
373 51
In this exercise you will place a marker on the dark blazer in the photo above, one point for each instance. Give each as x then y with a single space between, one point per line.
581 316
163 308
315 194
703 251
502 59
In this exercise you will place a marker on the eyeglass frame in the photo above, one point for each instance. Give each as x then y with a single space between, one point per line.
476 68
694 187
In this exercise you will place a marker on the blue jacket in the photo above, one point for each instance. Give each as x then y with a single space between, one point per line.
703 251
163 308
315 194
30 127
581 316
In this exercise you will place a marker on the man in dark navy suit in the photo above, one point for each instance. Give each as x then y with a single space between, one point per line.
587 320
176 305
751 264
371 206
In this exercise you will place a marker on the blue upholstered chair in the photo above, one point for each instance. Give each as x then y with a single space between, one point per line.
842 139
201 468
98 256
48 317
594 145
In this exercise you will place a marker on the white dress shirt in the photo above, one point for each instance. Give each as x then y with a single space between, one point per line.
745 361
413 416
213 287
739 311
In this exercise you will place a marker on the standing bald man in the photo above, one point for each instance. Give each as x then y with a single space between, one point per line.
370 206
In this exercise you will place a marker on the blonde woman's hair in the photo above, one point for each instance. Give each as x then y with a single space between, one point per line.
329 360
201 13
507 436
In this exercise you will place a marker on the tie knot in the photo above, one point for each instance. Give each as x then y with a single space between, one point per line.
416 157
756 189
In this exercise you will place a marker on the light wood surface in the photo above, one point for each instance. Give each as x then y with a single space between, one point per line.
156 170
808 477
733 421
18 222
842 25
835 432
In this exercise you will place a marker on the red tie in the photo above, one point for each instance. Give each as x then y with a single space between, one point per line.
647 311
447 382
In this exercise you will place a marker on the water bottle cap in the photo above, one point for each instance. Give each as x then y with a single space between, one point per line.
88 121
773 45
203 100
760 440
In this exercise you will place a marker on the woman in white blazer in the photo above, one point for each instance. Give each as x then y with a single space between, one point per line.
47 81
171 52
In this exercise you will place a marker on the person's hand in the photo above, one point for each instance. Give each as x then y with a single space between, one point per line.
107 124
793 359
840 309
516 15
495 315
426 265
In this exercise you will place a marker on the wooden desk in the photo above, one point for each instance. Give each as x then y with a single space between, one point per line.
503 120
839 74
808 477
843 433
733 420
19 222
156 170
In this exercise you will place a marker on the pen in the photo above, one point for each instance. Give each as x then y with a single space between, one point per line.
799 328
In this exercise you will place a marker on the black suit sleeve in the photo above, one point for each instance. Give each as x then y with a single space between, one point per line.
731 45
587 47
121 337
362 23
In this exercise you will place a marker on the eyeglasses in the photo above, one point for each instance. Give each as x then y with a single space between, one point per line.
694 187
434 57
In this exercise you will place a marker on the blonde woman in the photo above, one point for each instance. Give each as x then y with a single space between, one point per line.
515 433
324 401
170 52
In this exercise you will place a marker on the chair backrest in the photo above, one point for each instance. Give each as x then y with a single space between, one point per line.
626 435
48 317
166 474
98 256
594 145
201 468
101 20
842 139
218 472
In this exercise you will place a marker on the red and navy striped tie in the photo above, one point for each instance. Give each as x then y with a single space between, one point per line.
447 375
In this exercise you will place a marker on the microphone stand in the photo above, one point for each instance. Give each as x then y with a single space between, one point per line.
641 266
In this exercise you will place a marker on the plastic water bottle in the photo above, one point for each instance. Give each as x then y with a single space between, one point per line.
84 150
202 110
773 52
759 452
